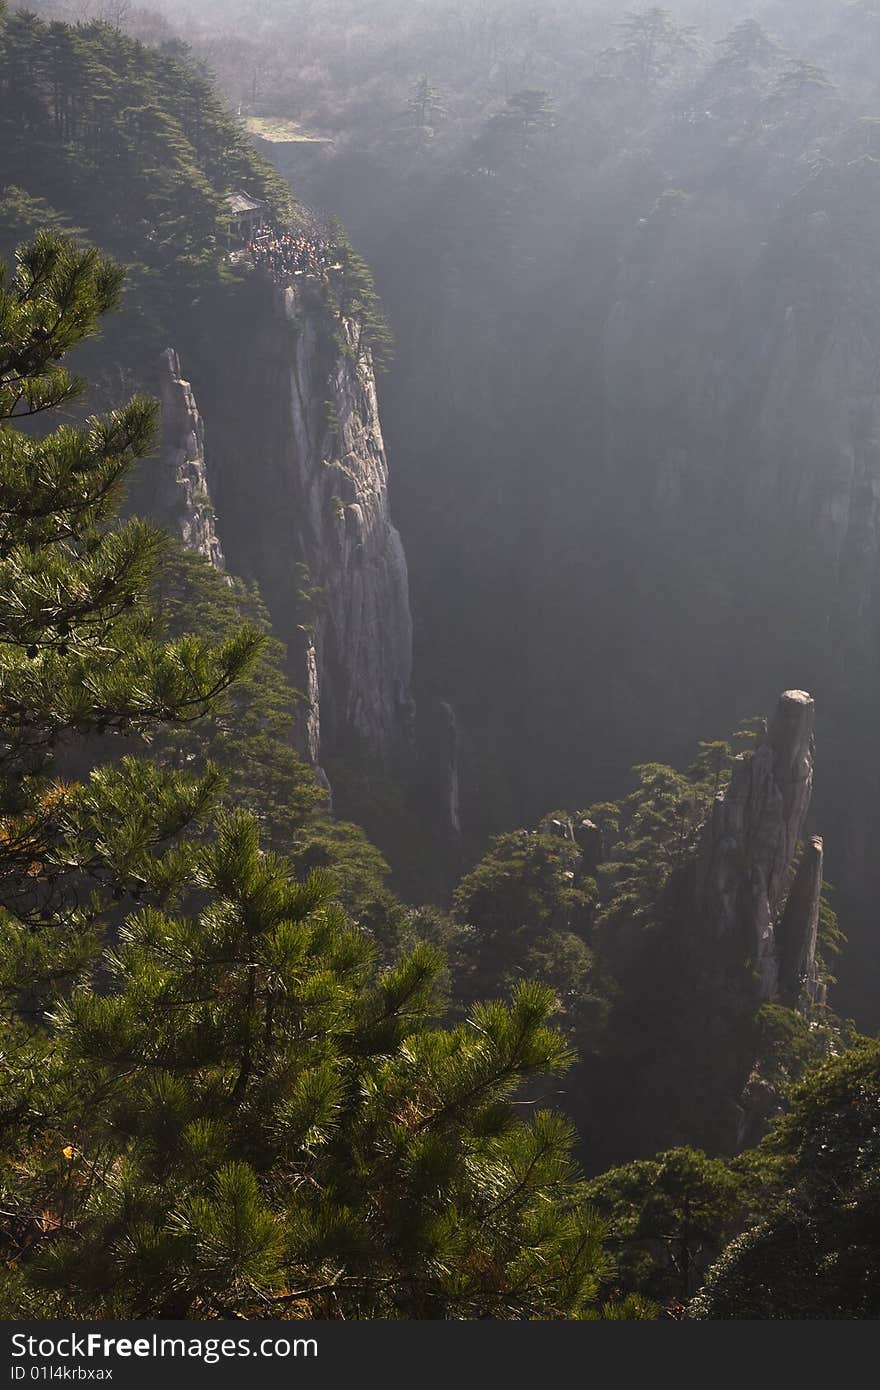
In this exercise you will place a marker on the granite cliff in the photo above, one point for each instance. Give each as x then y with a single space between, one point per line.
726 962
175 489
296 470
740 884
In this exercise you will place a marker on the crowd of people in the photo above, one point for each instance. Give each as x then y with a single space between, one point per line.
288 254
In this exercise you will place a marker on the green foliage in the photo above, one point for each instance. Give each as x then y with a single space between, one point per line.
788 1043
525 911
425 107
251 737
250 740
77 650
22 218
657 828
509 136
669 1218
748 45
652 40
818 1255
830 1133
800 83
132 145
352 297
253 1120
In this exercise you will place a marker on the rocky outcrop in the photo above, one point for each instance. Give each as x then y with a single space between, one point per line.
735 929
300 479
344 534
310 716
180 495
797 933
450 758
742 875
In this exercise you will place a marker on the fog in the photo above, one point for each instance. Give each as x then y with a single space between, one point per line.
621 514
633 503
628 259
474 595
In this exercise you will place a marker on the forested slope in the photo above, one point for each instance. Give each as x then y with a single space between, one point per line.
242 1078
131 148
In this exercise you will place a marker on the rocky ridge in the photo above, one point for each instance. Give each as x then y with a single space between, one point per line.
742 879
180 495
296 468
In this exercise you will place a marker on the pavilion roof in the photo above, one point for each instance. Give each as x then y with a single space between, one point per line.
240 203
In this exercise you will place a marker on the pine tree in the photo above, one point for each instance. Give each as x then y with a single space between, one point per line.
254 1122
800 86
816 1253
669 1217
652 41
748 45
425 106
80 658
215 1102
525 911
509 136
352 297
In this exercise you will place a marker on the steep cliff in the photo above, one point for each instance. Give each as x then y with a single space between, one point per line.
299 475
344 536
739 884
175 488
719 982
797 931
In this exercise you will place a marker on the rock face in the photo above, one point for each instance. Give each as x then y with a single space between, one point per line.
345 537
736 928
300 479
743 873
798 930
180 495
452 791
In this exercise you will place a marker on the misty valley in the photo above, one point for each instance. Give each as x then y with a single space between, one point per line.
439 660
